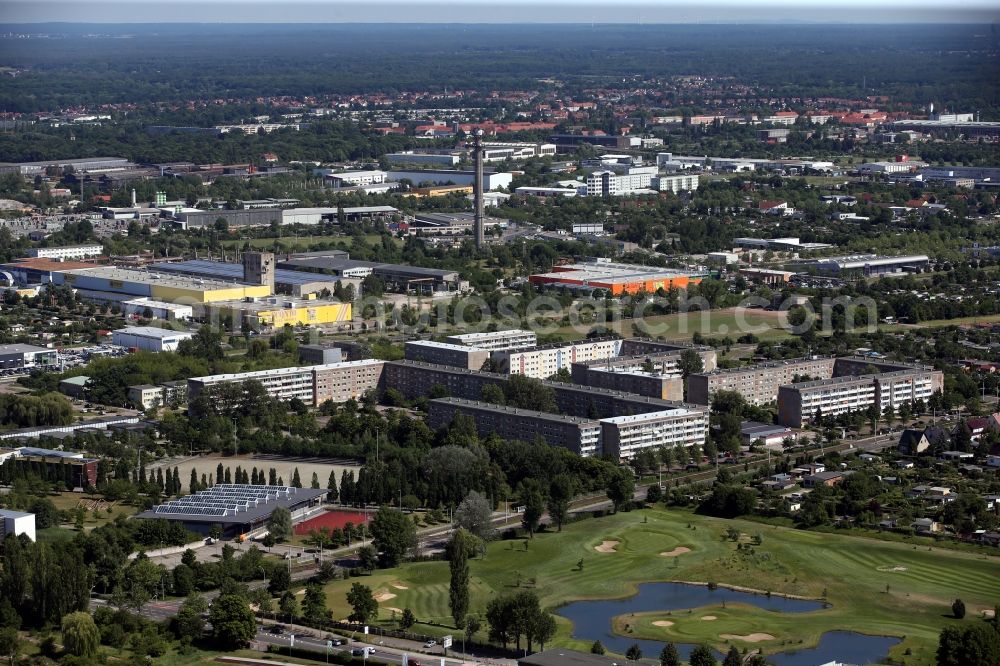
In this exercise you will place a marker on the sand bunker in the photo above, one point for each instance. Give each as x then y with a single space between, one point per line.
749 638
663 623
400 586
709 618
679 550
384 596
607 546
393 609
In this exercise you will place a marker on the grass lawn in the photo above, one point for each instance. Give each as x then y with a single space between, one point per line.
765 324
54 535
70 501
853 572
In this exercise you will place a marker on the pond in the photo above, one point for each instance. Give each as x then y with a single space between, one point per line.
592 621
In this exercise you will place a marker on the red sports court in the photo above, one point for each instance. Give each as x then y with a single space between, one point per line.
332 519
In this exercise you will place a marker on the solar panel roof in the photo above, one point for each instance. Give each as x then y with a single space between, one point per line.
232 503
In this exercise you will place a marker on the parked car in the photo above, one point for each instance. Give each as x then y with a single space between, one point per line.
431 643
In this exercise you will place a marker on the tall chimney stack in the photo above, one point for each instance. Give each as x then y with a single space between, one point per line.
133 198
477 144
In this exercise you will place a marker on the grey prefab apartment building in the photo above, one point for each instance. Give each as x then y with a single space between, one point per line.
757 383
580 435
799 404
444 353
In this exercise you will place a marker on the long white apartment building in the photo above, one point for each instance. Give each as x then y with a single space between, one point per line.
607 183
281 383
800 403
511 340
622 437
675 184
543 362
312 384
67 253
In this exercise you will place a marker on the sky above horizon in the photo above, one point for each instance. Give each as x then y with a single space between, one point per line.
499 11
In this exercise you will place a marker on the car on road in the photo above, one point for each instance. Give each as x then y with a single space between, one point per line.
335 641
275 629
362 651
431 643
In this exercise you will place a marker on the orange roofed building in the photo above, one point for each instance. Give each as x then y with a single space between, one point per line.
618 279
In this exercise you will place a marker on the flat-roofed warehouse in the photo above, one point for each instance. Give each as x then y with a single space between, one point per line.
26 356
237 509
618 279
863 264
114 284
395 275
292 283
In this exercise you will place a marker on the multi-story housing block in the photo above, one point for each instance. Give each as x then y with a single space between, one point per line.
757 383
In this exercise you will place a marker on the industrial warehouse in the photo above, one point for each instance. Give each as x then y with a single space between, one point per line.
617 279
238 509
245 293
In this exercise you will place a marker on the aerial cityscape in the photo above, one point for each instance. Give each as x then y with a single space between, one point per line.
535 334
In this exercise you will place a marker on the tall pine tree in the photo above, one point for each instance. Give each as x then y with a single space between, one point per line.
331 486
458 590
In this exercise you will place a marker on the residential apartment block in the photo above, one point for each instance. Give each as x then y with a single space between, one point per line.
510 340
799 404
313 385
66 253
624 436
757 383
543 362
675 184
619 437
657 375
580 435
347 380
444 353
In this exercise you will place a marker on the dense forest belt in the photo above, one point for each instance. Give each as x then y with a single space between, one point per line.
77 65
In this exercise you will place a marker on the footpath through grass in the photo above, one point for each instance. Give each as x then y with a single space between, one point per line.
874 587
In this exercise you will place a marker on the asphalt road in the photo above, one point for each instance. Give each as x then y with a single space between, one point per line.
384 653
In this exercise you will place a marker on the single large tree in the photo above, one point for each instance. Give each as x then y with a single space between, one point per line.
733 657
189 622
533 503
702 656
364 607
458 589
474 514
393 534
280 523
81 637
669 656
331 487
314 605
621 488
233 623
561 491
288 605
